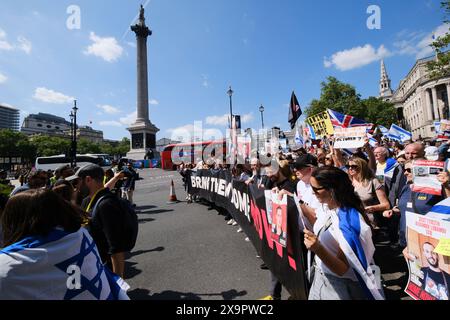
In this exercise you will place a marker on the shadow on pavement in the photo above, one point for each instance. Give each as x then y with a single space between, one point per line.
142 221
139 252
141 208
154 211
394 269
144 294
130 270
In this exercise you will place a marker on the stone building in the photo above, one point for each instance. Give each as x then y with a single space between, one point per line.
419 100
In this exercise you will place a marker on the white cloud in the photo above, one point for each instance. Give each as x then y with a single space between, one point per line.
110 124
424 46
129 119
109 109
205 82
224 120
3 78
153 102
194 132
4 44
356 57
418 43
50 96
24 44
218 120
106 48
132 44
246 118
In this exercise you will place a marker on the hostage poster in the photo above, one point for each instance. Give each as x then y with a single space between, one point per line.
429 269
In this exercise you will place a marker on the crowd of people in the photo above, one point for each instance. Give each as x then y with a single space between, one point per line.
371 185
87 198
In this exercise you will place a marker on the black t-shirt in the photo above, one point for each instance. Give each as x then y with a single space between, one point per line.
436 283
106 226
287 185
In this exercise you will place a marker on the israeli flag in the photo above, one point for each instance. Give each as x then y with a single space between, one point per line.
354 236
399 134
383 130
312 133
437 127
441 210
61 266
372 141
298 139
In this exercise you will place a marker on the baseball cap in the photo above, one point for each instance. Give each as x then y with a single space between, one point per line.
305 160
91 170
61 168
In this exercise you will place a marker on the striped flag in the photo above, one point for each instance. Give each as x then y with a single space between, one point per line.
441 210
312 133
355 240
298 139
61 266
345 121
399 134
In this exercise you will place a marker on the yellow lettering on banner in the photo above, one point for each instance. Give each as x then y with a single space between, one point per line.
321 124
443 247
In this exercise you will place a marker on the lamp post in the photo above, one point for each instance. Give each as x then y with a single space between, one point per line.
261 109
230 94
73 118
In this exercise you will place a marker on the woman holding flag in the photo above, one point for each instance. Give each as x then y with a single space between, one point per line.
341 241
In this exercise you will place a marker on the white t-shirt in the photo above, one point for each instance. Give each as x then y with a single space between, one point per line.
327 240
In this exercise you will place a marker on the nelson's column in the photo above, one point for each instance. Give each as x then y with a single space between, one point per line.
143 132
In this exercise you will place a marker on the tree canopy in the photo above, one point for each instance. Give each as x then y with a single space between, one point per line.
441 67
343 98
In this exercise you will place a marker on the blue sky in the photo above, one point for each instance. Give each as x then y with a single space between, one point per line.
263 49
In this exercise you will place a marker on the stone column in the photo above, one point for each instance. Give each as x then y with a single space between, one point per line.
142 33
429 105
437 116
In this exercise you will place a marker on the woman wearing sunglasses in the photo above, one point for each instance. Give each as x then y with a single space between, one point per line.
341 241
369 189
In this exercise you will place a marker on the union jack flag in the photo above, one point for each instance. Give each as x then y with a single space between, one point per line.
345 121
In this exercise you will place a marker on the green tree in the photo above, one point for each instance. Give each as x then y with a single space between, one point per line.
47 146
343 98
85 146
16 144
379 112
441 67
338 96
123 148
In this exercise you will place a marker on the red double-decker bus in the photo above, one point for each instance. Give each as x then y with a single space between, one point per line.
191 152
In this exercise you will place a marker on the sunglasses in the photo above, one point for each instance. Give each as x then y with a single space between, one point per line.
408 170
353 167
317 189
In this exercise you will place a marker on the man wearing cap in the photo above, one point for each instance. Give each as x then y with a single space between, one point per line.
303 169
106 226
62 172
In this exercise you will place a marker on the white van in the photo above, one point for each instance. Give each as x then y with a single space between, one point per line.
52 163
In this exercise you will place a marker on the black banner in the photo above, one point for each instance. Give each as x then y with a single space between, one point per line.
247 205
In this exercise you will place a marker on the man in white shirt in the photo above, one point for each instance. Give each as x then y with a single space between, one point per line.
303 168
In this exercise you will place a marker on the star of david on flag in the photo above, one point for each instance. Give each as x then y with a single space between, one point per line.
61 266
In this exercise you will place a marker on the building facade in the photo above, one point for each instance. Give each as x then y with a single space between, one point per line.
421 101
88 133
43 123
9 118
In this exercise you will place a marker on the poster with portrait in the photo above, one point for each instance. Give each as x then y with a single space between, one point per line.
279 219
425 176
429 268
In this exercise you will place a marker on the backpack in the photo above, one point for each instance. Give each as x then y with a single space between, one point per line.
130 220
